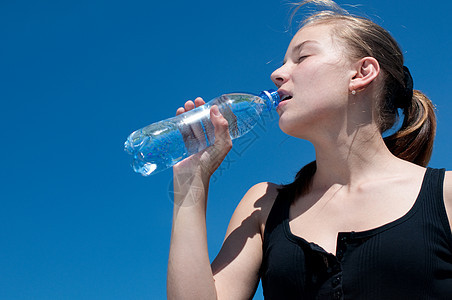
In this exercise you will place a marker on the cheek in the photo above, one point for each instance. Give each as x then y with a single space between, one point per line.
308 77
321 82
318 102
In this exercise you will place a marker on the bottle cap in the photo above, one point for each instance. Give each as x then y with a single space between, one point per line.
273 96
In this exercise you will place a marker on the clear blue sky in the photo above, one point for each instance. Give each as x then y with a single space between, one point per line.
76 77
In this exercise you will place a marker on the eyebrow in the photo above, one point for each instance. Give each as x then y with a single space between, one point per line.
298 47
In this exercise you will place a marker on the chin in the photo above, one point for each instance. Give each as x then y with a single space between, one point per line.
290 128
296 128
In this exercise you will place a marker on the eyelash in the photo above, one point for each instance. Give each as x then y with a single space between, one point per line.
300 59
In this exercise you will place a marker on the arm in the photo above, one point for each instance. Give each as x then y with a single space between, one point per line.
236 268
234 274
448 196
189 272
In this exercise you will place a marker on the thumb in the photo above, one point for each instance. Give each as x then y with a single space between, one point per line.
223 143
217 119
215 111
221 125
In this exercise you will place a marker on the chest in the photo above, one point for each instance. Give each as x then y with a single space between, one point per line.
319 219
398 259
405 254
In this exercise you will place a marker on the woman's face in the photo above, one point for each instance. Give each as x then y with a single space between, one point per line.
315 80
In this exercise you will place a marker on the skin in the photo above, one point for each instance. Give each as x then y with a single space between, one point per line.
358 185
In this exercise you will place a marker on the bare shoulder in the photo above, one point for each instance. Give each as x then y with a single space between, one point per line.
448 195
448 187
261 194
258 202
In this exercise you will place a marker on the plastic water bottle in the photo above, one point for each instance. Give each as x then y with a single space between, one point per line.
163 144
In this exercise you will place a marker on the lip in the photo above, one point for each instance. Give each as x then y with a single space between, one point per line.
282 93
282 104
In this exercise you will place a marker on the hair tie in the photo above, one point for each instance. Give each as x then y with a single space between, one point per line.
408 80
405 93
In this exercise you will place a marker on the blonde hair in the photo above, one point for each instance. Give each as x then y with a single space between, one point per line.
361 37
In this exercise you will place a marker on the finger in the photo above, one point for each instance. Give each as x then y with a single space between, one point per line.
192 132
194 138
197 139
199 101
189 105
179 111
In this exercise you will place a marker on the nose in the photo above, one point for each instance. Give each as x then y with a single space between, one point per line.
280 76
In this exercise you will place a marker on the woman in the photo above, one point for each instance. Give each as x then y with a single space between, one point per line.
366 220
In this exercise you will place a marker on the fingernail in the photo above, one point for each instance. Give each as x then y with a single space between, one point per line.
216 111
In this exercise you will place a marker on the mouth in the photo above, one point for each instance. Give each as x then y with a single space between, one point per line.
285 97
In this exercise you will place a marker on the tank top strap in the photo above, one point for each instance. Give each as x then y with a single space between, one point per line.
433 200
434 182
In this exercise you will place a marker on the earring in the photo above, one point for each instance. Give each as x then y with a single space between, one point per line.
353 92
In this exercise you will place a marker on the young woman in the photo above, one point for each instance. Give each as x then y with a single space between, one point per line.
365 220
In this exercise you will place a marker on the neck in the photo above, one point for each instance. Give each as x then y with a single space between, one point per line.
350 159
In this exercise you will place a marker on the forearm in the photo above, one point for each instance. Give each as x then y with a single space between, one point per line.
189 272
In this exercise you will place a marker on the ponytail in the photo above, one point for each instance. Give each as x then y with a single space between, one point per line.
414 140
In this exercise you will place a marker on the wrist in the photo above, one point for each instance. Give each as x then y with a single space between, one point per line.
190 188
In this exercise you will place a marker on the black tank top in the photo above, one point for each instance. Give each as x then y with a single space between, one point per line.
409 258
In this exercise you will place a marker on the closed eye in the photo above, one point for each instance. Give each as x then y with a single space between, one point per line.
302 58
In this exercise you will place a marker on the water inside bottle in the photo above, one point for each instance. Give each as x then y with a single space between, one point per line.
161 145
155 148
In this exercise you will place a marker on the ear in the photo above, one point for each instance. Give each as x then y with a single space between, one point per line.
365 71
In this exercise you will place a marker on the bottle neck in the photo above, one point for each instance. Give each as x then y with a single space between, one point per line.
271 98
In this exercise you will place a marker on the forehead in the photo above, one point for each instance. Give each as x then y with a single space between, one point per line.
320 34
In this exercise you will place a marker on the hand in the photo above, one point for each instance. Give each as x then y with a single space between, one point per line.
205 162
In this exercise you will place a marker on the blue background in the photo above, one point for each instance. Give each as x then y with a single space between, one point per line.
76 77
